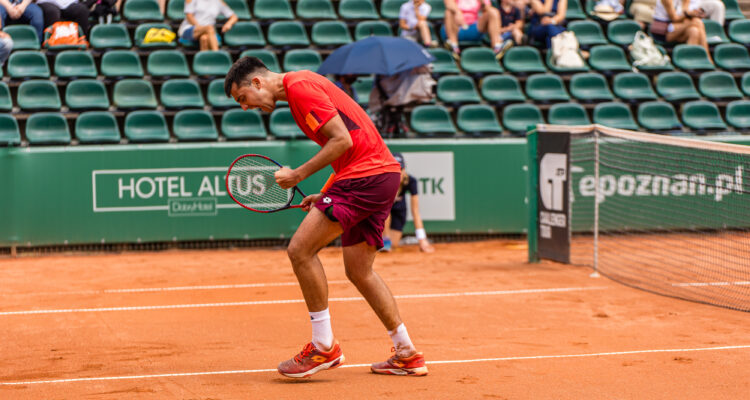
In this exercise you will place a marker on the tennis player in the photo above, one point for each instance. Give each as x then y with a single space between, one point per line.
355 206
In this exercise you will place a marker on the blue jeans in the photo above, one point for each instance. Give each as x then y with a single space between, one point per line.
544 33
31 16
6 46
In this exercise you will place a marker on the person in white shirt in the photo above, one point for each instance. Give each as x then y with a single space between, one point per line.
710 9
676 21
200 18
413 21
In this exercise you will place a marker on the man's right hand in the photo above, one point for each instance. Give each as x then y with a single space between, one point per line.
4 35
309 201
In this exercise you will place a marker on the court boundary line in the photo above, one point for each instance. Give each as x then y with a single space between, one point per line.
251 371
291 301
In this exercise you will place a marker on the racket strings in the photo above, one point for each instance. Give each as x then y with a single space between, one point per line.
252 183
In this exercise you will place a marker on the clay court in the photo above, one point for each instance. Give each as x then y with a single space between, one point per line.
213 324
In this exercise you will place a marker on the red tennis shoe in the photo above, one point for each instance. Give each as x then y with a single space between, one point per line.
311 360
413 365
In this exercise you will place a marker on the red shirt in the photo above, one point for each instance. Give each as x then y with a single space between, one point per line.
314 100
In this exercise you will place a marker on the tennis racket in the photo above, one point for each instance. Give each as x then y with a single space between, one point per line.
251 183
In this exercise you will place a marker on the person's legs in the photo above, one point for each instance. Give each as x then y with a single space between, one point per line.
489 22
78 13
517 36
6 46
424 33
51 14
204 43
3 15
213 41
34 16
395 238
451 28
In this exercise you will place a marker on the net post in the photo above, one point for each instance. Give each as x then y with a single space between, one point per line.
597 188
531 195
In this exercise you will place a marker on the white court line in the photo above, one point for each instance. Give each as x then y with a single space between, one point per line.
266 302
252 371
694 284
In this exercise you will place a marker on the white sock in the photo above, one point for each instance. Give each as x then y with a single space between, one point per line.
322 334
401 341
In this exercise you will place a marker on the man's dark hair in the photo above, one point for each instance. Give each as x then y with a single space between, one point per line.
240 71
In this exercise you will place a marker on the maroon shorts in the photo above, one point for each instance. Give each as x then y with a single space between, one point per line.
361 206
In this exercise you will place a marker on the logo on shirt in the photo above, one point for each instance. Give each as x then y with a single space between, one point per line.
312 120
327 200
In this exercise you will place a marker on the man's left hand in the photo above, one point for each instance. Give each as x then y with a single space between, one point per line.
287 178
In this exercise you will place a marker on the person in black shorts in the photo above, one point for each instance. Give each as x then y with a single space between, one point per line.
394 225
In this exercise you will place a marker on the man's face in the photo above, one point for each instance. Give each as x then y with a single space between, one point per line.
254 95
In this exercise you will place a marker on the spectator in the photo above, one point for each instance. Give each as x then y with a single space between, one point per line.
102 10
65 10
673 24
547 19
511 27
643 11
412 19
394 225
710 9
609 10
463 22
6 46
200 18
344 82
23 12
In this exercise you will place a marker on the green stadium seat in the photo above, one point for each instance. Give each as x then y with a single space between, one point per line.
614 115
146 126
658 116
363 87
24 37
47 128
714 32
167 63
315 9
86 94
633 86
176 10
141 10
268 57
691 57
501 89
134 93
523 59
574 10
97 127
243 125
110 36
745 84
75 64
181 93
287 33
702 115
366 29
738 114
563 70
38 95
330 33
718 85
622 32
140 33
480 60
216 96
10 135
588 33
675 86
457 89
590 86
6 104
212 63
733 57
733 10
282 125
444 63
478 119
121 64
240 9
431 121
608 59
296 60
739 31
438 10
272 9
546 87
389 9
194 125
517 118
245 34
28 64
357 9
568 114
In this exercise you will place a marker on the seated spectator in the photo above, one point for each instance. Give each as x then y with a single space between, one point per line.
22 12
412 19
547 19
710 9
65 10
609 10
673 24
511 27
463 22
200 18
102 10
643 11
6 46
344 82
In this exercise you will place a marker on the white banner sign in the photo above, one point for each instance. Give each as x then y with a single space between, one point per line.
435 184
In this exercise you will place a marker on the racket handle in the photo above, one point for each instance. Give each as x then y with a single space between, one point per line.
328 184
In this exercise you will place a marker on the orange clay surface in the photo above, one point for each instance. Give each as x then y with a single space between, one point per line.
522 331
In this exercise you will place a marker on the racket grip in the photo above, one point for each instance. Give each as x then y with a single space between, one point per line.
328 183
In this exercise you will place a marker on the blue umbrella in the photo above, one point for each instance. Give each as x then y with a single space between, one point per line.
381 55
